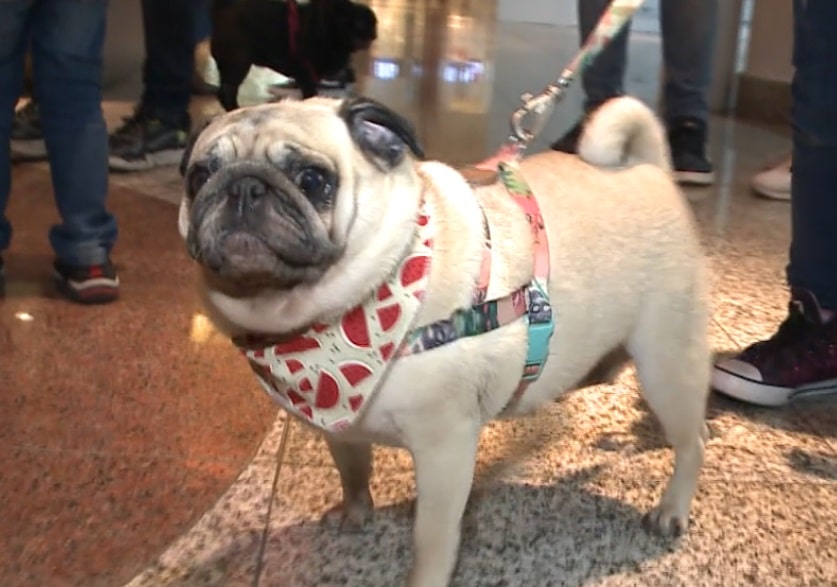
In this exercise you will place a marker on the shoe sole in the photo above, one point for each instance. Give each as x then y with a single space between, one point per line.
166 158
700 178
93 292
279 92
770 396
781 196
28 150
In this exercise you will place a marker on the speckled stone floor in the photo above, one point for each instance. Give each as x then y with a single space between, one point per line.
122 442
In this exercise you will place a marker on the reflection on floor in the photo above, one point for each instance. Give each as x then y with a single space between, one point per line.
558 497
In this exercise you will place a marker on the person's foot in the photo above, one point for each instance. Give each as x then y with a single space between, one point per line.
201 87
775 181
342 78
27 141
687 141
799 360
94 284
144 142
568 143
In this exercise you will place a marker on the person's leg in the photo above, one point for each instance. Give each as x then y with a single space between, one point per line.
813 251
67 43
170 28
603 79
688 35
14 19
688 38
799 359
156 134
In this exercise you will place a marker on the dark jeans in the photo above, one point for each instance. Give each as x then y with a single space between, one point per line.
813 251
66 39
688 33
172 27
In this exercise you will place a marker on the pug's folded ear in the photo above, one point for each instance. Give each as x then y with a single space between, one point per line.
382 135
190 143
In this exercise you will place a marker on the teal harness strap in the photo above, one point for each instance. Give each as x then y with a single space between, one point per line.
539 312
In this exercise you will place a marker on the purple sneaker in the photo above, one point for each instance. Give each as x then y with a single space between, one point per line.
799 360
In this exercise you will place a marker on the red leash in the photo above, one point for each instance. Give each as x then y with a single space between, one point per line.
293 31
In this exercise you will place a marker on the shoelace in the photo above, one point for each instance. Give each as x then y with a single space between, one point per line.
795 343
132 125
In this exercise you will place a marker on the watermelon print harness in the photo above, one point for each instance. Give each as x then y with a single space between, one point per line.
330 372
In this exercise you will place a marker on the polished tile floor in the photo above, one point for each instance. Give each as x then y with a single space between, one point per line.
129 444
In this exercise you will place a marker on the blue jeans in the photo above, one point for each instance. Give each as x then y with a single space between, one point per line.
688 34
813 250
66 39
172 28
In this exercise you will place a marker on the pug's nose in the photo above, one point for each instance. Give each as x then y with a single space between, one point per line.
246 192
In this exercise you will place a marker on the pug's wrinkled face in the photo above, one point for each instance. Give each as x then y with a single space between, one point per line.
271 191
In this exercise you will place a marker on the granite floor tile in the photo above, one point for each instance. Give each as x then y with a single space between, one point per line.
119 425
224 548
570 514
80 519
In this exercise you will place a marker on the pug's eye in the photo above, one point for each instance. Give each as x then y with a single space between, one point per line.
197 178
315 183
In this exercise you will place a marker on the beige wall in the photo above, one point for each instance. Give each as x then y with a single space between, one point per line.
771 41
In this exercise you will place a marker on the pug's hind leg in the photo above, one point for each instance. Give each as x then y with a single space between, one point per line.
672 356
354 462
444 476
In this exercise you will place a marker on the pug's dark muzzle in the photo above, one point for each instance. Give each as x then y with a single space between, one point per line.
251 225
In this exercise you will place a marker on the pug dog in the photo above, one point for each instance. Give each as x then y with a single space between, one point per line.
299 212
309 42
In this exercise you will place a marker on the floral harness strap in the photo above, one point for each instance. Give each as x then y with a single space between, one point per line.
327 374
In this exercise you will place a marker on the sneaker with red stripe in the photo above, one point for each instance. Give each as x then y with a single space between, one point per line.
799 360
93 284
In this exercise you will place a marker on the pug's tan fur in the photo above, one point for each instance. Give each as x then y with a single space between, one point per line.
626 269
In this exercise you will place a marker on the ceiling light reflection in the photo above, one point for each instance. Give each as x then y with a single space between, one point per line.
201 329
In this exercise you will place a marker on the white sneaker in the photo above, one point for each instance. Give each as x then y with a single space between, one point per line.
774 182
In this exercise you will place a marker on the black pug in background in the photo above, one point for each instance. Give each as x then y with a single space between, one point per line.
259 32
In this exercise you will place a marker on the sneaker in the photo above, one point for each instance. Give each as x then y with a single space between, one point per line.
27 141
775 181
687 140
95 284
344 77
569 142
144 142
799 360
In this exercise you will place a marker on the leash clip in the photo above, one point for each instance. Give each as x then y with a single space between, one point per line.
529 120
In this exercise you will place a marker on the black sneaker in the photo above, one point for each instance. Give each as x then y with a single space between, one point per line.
96 284
569 142
144 142
342 78
687 140
27 141
799 360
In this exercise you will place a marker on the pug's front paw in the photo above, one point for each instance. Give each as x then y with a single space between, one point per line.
350 514
666 521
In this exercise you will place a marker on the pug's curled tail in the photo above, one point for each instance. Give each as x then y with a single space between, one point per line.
624 132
